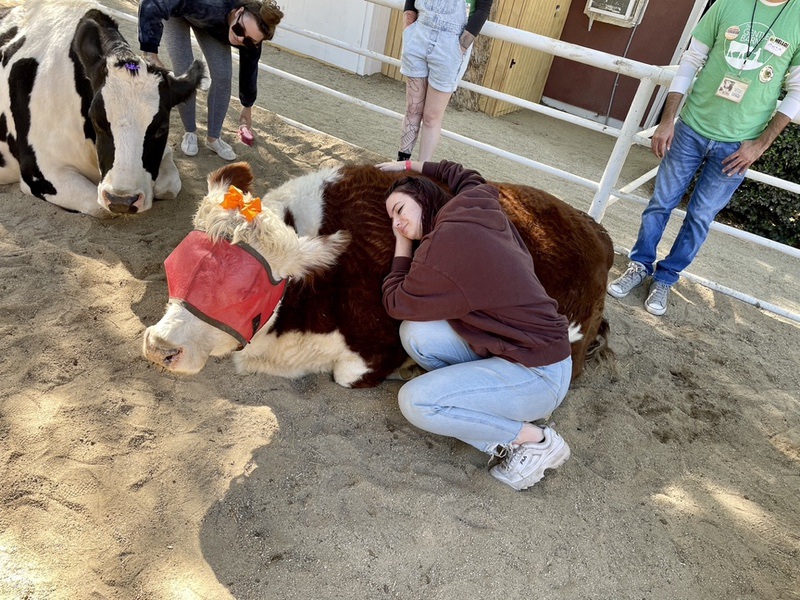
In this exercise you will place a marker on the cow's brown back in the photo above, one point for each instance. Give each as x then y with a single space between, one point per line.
572 256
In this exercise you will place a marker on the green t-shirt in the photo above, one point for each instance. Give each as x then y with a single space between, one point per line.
726 29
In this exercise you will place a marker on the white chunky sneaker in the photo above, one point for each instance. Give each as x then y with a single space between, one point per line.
222 149
189 144
656 303
525 464
632 278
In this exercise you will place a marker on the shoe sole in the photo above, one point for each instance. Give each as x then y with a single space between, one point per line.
538 474
220 155
611 292
620 295
189 153
654 311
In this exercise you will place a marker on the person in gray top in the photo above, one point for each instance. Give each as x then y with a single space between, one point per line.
217 25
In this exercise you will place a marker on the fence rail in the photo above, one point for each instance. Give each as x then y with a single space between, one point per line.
629 133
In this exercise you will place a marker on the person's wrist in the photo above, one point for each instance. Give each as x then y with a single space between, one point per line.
408 165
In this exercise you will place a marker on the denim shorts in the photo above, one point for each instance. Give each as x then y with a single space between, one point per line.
434 54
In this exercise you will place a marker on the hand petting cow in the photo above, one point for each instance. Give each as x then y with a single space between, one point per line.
84 120
294 282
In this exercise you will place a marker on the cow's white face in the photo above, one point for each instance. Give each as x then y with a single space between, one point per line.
81 109
131 127
182 343
193 328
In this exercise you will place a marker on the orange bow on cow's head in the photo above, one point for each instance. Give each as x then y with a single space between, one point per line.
234 199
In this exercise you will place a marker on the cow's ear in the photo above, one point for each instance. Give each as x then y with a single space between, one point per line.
88 45
181 88
238 174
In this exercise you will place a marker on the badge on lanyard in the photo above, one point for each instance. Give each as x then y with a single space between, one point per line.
732 89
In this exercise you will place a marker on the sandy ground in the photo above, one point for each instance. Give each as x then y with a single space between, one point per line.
119 481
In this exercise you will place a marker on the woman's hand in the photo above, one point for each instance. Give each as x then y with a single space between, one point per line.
245 123
400 165
153 59
465 41
246 116
402 245
409 16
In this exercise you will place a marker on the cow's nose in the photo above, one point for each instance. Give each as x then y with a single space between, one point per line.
160 353
123 203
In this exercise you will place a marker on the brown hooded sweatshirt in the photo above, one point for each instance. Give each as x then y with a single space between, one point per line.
474 270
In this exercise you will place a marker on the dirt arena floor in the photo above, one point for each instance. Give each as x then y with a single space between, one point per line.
120 481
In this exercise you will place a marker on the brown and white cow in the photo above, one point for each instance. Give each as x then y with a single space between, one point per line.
83 120
328 235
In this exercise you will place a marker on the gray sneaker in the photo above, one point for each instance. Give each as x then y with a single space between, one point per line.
656 303
525 464
632 278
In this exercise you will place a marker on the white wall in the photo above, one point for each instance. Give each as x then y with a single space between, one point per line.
355 22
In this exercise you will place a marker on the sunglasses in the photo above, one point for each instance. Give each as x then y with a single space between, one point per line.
239 31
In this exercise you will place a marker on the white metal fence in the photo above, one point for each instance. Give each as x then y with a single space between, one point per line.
629 133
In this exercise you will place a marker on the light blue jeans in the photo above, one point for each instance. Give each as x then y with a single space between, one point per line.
481 401
713 190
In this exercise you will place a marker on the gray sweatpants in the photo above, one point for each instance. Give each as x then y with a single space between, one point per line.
218 58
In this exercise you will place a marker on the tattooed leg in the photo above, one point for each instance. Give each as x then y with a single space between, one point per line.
416 88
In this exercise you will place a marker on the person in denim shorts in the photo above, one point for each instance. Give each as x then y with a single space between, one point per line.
746 52
437 43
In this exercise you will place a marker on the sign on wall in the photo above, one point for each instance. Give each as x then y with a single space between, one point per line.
625 13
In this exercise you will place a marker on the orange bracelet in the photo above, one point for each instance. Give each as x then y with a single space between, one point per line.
408 165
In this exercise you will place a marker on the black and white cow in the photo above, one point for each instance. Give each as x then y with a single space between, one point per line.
83 119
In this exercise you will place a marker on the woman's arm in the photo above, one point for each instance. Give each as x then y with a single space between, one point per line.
477 19
152 15
248 75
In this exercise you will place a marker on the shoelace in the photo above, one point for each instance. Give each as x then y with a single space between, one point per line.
511 458
659 295
632 274
501 454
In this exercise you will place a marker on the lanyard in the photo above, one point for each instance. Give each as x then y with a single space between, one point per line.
750 33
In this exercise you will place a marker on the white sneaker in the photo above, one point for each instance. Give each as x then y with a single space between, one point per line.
632 278
224 150
656 303
189 144
525 464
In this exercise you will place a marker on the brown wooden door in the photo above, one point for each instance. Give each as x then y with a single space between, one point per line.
515 69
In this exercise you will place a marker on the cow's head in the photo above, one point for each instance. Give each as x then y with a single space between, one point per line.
129 111
223 277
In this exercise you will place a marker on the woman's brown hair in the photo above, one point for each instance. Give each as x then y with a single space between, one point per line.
267 14
430 197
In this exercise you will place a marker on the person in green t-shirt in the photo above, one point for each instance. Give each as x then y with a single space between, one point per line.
745 52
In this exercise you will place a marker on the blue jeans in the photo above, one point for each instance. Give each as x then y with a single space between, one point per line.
481 401
713 190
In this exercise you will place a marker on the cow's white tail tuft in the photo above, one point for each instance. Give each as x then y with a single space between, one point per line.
575 334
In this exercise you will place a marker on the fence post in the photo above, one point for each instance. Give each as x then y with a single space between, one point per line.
621 148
